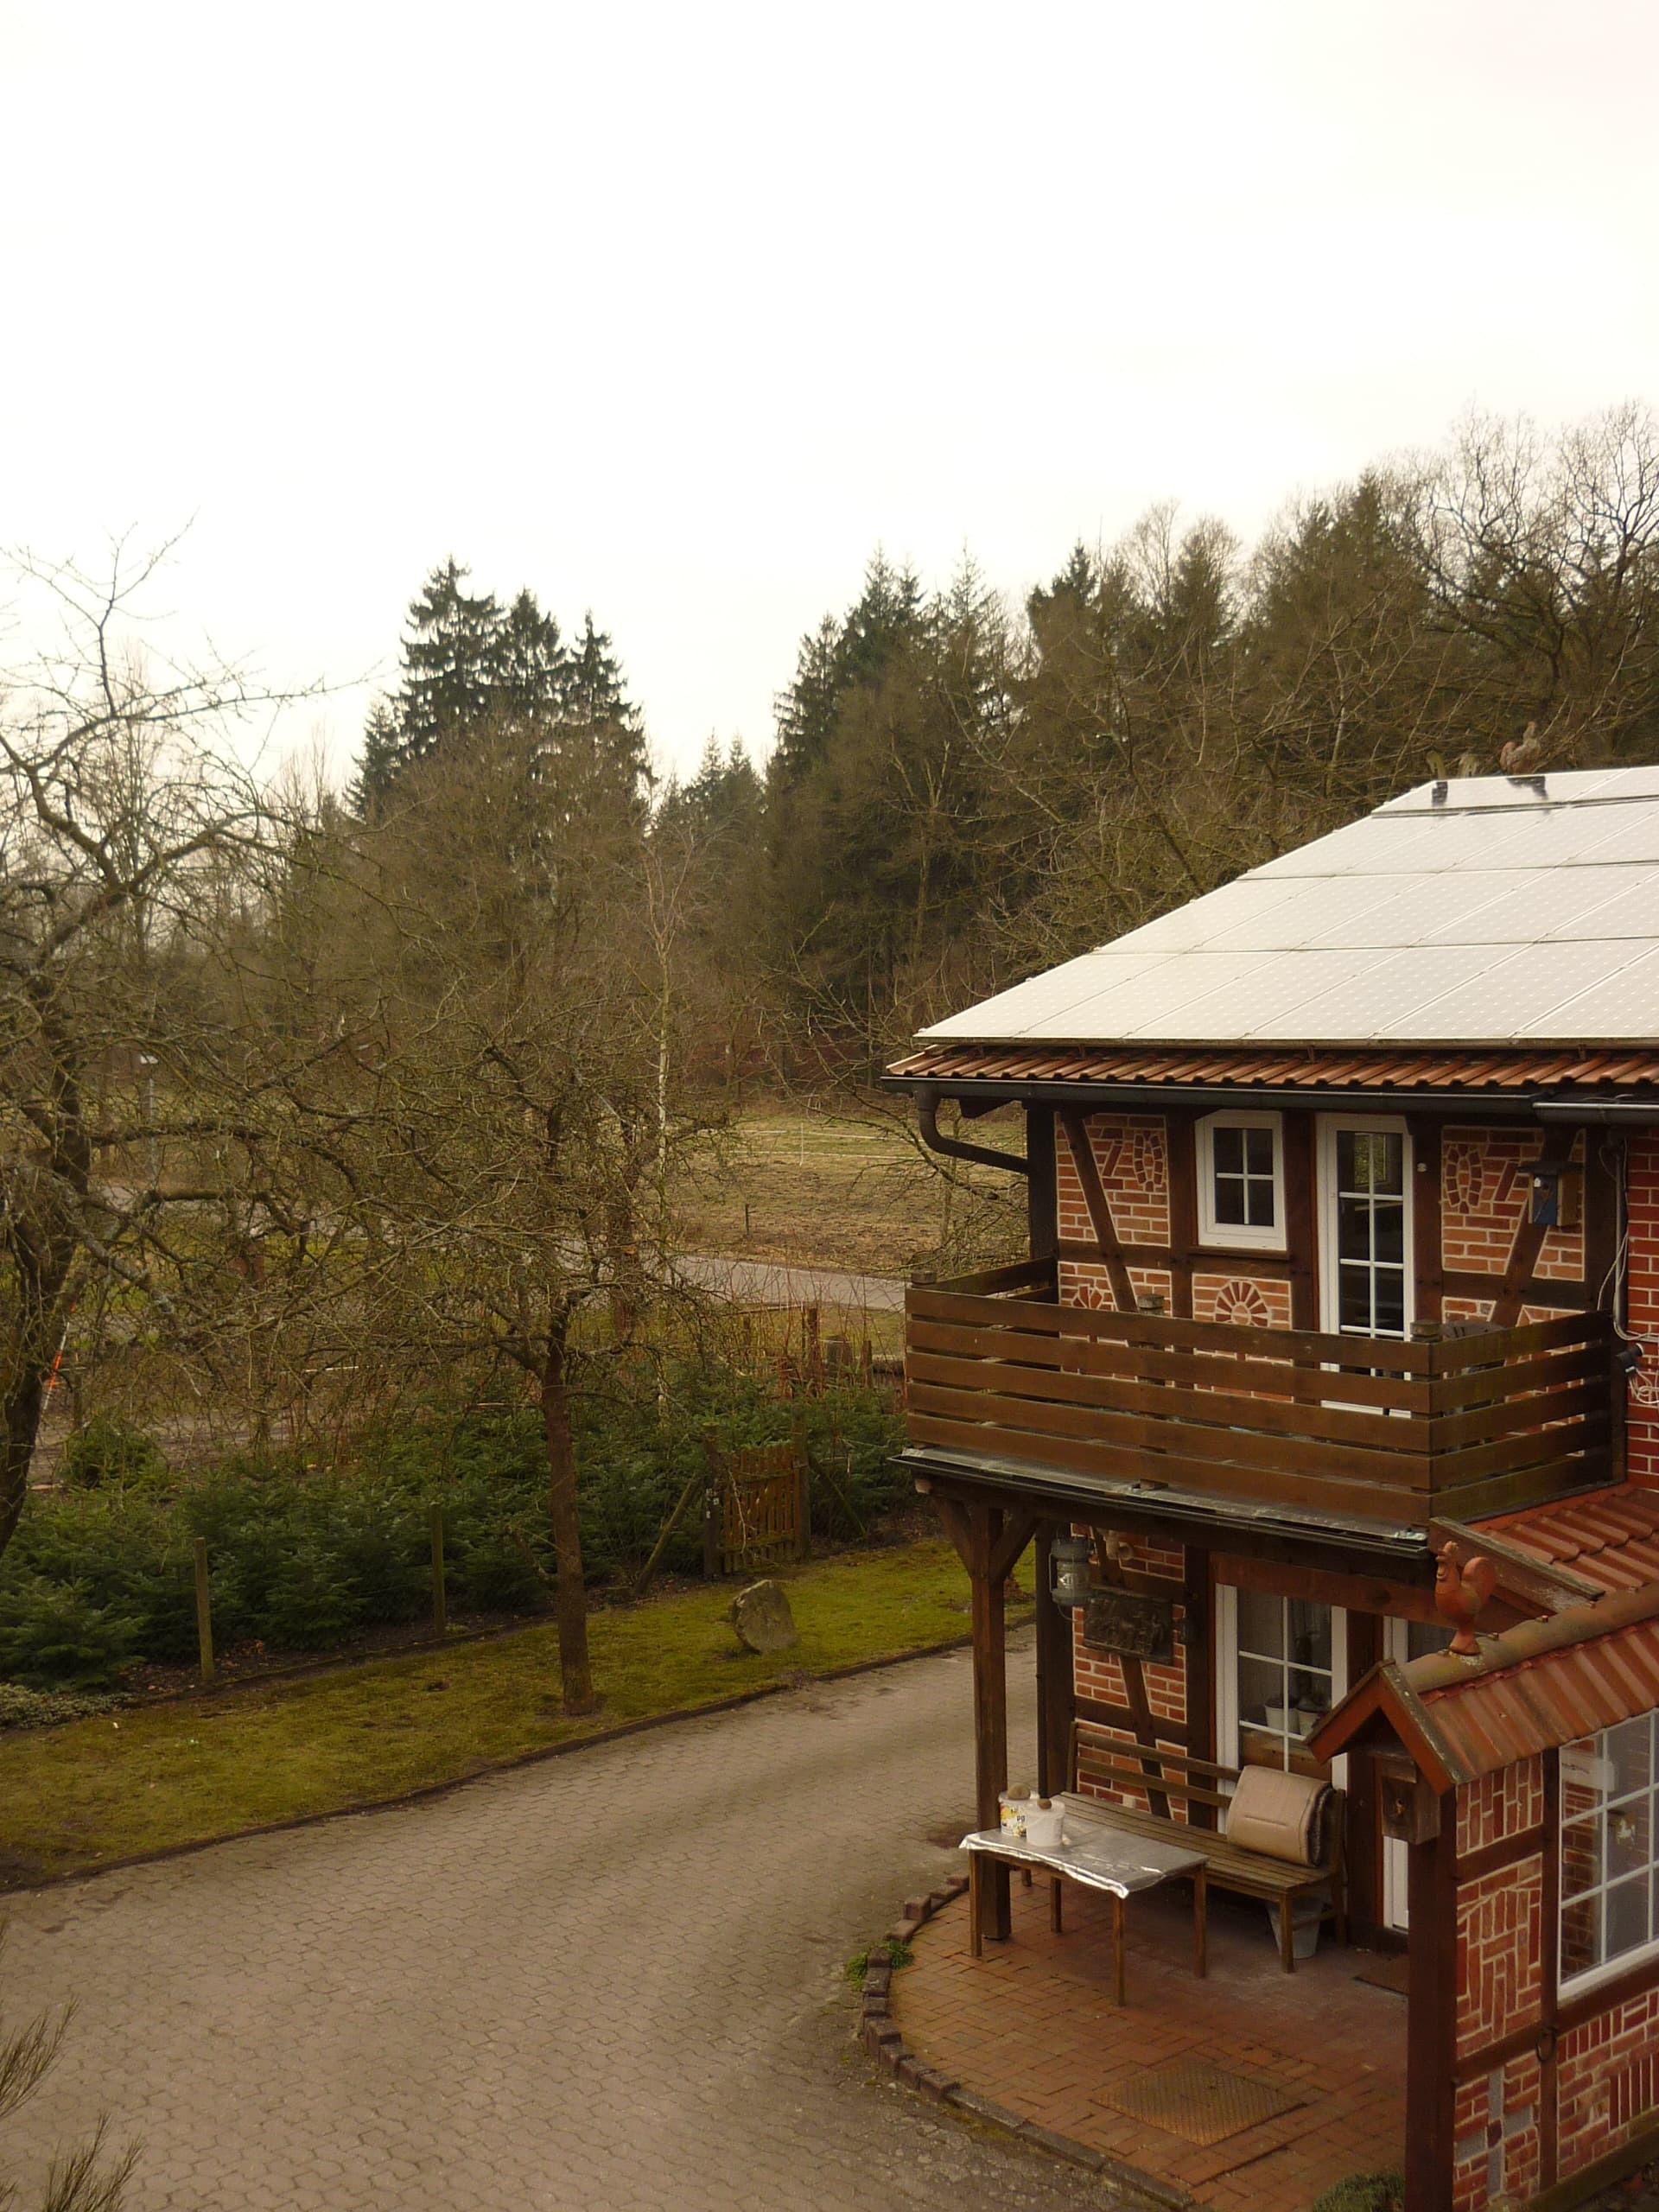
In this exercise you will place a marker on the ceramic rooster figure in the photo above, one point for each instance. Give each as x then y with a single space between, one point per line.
1461 1589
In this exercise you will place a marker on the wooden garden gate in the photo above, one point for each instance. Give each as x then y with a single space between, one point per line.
757 1506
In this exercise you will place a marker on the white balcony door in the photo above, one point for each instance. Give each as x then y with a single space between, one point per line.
1366 1287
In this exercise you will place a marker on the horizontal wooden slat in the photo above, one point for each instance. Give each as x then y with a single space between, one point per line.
1567 1394
1024 1275
1164 1401
1193 1440
1318 1494
1539 1371
1161 1330
1313 1382
1589 1427
1454 1356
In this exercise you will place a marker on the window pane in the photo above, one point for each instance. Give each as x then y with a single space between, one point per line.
1388 1233
1629 1747
1580 1855
1626 1924
1258 1150
1310 1634
1261 1206
1354 1298
1389 1310
1353 1229
1630 1838
1581 1934
1230 1200
1230 1151
1261 1694
1260 1624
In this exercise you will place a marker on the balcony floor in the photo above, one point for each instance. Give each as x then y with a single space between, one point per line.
1032 2024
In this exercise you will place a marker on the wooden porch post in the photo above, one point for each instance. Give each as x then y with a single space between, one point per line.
1056 1696
1431 2015
990 1698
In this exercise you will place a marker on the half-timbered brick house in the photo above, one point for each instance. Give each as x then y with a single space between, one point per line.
1343 1212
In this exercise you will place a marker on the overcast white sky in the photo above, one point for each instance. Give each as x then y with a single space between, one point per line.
677 312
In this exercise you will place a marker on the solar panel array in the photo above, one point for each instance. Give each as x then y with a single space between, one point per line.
1488 910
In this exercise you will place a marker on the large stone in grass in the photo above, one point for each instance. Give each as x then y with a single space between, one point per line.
761 1616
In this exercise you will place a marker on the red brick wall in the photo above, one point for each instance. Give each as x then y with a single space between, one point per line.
1099 1676
1642 1285
1608 2073
1132 1153
1604 2084
1484 1190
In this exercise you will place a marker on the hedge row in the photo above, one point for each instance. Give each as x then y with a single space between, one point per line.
100 1573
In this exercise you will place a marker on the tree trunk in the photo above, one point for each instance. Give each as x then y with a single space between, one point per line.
20 1423
570 1598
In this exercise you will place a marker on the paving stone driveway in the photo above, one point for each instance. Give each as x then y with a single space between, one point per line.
609 1982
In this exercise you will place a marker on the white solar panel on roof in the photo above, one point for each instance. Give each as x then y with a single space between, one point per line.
1271 992
1506 994
1622 1005
1410 905
1394 984
1198 922
1497 916
1632 909
1010 1013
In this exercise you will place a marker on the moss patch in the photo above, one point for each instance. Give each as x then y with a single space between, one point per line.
145 1781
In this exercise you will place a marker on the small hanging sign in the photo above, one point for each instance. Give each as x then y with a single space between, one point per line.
1132 1626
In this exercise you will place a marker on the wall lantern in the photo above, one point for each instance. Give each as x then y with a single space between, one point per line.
1069 1558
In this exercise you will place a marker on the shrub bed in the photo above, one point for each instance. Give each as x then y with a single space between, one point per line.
100 1574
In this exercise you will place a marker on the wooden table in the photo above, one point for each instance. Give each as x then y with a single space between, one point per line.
1119 1864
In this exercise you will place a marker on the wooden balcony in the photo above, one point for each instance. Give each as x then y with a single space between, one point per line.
1365 1428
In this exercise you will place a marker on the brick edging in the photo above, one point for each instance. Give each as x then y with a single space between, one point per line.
881 2038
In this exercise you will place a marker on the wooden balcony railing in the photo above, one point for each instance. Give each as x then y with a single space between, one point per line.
1355 1426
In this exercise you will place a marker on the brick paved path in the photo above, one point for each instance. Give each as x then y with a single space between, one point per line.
608 1983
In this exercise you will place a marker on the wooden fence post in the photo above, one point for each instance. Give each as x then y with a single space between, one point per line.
803 1480
204 1613
713 1509
440 1596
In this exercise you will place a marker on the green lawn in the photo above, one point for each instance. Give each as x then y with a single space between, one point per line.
148 1780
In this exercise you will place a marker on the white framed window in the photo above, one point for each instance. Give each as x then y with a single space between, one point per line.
1242 1181
1281 1665
1610 1869
1365 1226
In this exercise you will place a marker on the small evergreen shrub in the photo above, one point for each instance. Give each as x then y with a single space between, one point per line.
1381 2192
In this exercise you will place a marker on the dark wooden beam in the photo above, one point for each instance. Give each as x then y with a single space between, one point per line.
991 1697
954 1515
1056 1677
1528 1236
1301 1217
1100 1211
1042 1206
1017 1532
1431 2015
1181 1156
1428 1257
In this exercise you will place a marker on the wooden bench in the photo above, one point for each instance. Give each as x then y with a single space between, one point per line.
1158 1773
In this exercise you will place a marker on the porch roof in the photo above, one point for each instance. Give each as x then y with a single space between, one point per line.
1534 1688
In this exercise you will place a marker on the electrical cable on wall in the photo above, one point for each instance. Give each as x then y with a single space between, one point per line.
1642 1380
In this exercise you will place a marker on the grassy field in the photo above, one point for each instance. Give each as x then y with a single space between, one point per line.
812 1188
145 1781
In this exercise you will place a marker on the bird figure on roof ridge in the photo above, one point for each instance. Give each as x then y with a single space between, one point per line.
1462 1590
1524 753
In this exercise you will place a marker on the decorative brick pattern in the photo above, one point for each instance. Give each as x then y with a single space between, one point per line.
1500 1943
1497 2147
1252 1301
1086 1282
1484 1191
1132 1154
1606 2081
1500 1805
